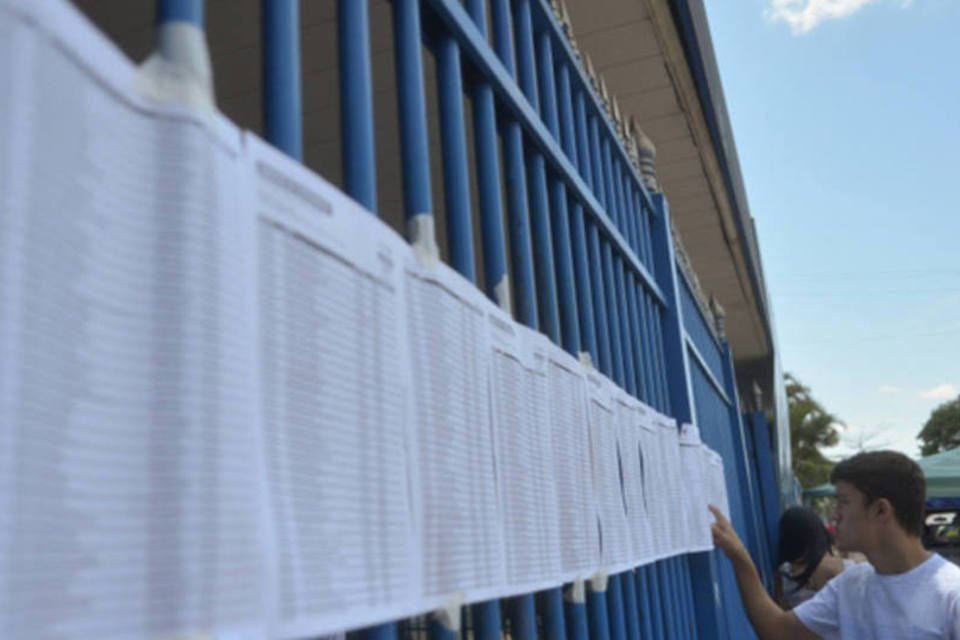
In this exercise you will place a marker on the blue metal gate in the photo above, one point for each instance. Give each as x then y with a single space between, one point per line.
591 262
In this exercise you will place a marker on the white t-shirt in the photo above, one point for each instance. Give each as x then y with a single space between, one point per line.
859 604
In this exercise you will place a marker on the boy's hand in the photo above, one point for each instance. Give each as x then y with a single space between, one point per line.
724 537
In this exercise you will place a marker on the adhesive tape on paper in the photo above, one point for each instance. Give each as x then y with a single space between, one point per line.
599 581
179 70
502 294
449 614
577 593
420 232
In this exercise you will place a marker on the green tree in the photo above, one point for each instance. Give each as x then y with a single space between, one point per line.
942 430
811 427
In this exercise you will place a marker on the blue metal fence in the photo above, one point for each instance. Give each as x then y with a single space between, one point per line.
591 263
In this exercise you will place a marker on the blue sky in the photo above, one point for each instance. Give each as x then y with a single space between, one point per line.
846 115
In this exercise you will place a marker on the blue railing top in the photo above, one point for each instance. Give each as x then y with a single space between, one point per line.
697 328
547 18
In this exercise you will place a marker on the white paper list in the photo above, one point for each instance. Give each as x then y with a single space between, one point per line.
608 480
524 452
460 529
717 484
673 487
698 537
333 380
130 500
635 484
579 525
654 475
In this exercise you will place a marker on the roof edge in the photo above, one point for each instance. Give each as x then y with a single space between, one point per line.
690 20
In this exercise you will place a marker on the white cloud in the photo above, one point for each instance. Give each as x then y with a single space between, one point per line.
803 15
940 392
888 389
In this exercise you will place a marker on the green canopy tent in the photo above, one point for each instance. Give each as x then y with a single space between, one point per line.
942 471
819 491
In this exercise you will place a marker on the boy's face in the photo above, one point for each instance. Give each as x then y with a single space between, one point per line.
855 522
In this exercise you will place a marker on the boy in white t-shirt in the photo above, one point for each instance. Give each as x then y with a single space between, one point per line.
903 592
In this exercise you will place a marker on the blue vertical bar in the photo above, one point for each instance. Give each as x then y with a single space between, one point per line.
656 608
688 596
631 190
515 181
584 289
454 151
616 345
648 214
767 480
523 617
626 330
613 208
573 120
667 597
599 185
606 321
643 227
536 172
597 613
575 610
569 322
181 11
638 330
568 136
552 613
744 472
542 248
599 300
682 609
282 110
660 357
678 593
670 596
618 627
356 102
487 624
644 606
649 350
526 62
626 197
583 149
650 312
414 144
388 631
625 219
488 178
630 611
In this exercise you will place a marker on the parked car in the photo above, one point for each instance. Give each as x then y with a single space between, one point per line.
942 534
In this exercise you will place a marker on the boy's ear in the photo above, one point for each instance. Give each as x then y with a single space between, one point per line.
883 509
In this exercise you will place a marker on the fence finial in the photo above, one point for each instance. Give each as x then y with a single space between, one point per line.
646 157
719 317
757 396
605 94
591 72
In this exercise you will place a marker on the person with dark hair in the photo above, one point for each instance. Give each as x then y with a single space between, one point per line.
903 591
806 559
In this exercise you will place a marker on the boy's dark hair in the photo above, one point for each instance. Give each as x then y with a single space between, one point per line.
890 475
